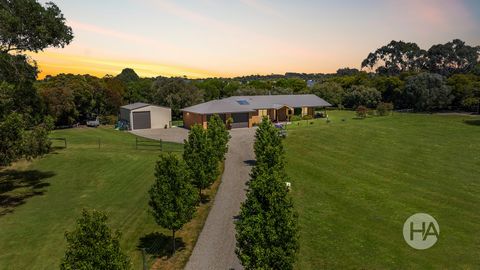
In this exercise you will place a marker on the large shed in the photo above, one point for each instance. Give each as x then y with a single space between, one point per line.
145 116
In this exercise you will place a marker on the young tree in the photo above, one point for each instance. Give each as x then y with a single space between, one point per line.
93 245
218 135
198 153
172 197
267 233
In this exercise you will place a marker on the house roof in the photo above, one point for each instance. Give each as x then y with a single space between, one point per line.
251 103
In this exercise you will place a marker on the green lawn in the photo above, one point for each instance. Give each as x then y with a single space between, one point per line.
42 199
355 182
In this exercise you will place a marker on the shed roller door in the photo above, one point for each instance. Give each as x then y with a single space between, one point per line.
141 120
239 120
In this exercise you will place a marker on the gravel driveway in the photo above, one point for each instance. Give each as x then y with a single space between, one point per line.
215 248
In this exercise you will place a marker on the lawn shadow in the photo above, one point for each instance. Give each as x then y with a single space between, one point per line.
472 122
159 245
17 186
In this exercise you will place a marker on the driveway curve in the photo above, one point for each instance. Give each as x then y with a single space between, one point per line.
215 248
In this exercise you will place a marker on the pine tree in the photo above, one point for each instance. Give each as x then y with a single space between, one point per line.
202 163
218 135
172 197
267 236
93 245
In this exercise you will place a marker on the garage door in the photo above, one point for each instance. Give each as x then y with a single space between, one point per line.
141 120
240 120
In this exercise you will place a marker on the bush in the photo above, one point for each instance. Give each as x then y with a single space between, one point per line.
108 119
384 108
307 117
294 118
362 95
361 111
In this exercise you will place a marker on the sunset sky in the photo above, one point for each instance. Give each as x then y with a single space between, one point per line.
207 38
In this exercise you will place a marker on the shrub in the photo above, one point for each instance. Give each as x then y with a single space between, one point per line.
361 111
307 117
384 108
108 119
229 123
294 118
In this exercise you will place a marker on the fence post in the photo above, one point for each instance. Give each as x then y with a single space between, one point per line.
98 143
65 140
161 146
144 260
136 143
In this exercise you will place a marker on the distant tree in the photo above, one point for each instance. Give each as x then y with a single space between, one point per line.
212 88
60 104
93 245
465 89
127 75
427 92
267 231
218 135
114 89
389 86
362 95
172 197
332 92
250 91
200 157
37 142
29 26
139 91
230 88
396 57
175 93
295 84
347 71
452 57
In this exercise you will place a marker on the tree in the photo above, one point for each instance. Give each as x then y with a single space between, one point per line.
332 92
12 132
427 92
172 197
218 136
465 89
396 57
25 25
93 245
29 26
175 93
362 95
200 157
267 233
452 57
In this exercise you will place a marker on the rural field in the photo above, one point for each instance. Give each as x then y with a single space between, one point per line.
40 200
355 182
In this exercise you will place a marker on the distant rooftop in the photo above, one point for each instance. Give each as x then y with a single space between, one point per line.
251 103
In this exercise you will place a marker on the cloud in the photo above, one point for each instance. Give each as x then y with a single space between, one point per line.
132 38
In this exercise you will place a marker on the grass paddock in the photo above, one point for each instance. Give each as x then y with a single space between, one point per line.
100 169
355 182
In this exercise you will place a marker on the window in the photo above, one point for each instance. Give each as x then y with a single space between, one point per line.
243 102
262 113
